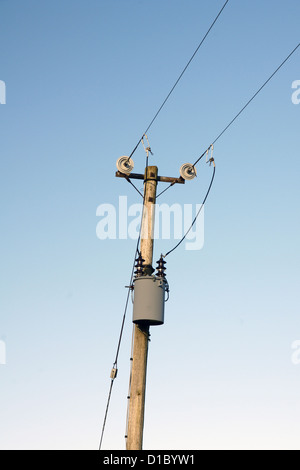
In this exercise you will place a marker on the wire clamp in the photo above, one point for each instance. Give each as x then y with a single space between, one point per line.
148 148
113 373
210 160
211 147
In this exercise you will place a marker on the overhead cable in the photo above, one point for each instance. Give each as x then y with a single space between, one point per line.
115 364
247 104
255 95
198 213
180 76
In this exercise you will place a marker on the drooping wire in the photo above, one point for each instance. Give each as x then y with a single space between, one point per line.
197 161
180 77
220 135
206 196
198 213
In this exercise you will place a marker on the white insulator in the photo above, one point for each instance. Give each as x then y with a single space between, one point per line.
125 165
188 171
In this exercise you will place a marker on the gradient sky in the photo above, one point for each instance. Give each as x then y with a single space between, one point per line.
83 81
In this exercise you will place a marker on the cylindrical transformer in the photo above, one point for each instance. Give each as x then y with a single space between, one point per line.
149 300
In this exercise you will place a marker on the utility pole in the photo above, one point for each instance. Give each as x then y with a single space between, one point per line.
141 330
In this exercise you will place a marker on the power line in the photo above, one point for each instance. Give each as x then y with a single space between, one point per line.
106 411
201 156
131 278
222 133
115 364
198 213
250 101
113 376
180 76
185 68
255 95
224 130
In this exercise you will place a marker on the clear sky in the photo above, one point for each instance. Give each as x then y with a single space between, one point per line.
83 81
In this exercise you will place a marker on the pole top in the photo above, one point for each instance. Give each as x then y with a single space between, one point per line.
151 173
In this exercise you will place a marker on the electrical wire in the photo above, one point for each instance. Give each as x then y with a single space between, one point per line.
114 367
224 130
197 215
206 196
106 412
180 77
248 102
185 68
201 156
135 148
115 364
255 95
240 112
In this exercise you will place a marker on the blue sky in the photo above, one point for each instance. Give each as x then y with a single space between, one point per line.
83 81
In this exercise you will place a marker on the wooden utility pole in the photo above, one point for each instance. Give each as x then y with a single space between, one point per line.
135 425
141 332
